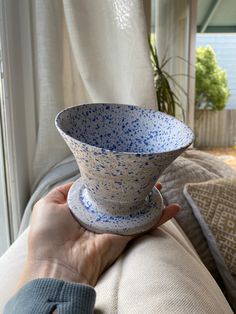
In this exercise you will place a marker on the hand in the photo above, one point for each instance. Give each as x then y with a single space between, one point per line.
58 247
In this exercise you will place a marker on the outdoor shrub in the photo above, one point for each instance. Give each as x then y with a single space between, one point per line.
212 90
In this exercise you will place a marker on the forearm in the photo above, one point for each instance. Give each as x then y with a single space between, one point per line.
51 268
46 295
51 287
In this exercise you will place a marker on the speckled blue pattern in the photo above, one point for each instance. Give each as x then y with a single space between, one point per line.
123 128
121 151
95 218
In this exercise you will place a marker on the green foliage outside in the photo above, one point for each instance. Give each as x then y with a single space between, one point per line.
167 99
212 90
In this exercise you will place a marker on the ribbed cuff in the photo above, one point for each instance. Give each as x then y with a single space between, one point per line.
45 295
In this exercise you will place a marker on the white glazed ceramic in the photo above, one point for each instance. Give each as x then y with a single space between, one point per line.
121 151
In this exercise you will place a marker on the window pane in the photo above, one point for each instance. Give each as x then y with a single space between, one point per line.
4 222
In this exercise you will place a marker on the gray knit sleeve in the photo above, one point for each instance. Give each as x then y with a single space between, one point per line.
42 296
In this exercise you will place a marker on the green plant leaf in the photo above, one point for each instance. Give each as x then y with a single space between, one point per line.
167 100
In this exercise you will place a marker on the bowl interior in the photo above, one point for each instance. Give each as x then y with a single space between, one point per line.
124 128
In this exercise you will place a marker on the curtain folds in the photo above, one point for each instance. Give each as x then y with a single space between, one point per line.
85 51
172 37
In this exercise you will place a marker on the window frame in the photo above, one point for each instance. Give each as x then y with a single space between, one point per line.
6 240
18 113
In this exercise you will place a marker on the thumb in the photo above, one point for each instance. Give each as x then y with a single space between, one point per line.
169 212
59 194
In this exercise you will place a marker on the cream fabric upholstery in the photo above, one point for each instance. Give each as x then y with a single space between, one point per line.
159 273
11 264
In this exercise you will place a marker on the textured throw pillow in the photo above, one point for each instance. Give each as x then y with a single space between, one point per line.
193 166
214 206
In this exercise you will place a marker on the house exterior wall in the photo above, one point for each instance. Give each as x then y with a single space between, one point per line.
207 130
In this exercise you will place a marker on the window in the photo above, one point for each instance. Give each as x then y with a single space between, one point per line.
4 221
14 187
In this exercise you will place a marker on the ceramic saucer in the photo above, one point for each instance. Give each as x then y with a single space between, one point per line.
94 219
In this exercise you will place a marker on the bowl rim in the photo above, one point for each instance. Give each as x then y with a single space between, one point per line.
104 150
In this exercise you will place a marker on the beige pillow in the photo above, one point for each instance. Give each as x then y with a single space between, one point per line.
214 205
193 166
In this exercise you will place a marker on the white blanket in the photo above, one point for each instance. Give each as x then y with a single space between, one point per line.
159 273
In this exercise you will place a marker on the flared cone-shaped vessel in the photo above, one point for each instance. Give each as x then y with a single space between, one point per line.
121 151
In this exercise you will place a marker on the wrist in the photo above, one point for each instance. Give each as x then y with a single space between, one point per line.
35 269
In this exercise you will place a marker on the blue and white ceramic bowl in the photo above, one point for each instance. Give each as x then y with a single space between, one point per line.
121 151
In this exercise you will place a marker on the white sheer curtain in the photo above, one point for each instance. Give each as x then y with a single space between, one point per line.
172 37
85 51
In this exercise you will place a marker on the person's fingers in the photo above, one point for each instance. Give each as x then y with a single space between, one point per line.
59 194
169 212
64 189
158 186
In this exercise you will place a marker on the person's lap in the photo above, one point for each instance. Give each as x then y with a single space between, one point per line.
158 273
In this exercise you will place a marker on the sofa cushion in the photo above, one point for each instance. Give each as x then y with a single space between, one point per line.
173 180
158 273
214 206
193 166
209 162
